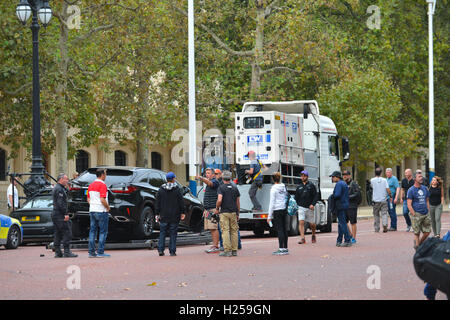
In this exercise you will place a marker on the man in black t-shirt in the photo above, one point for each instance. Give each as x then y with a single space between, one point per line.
228 205
407 183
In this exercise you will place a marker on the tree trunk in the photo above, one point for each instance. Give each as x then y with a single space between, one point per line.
61 89
142 151
447 165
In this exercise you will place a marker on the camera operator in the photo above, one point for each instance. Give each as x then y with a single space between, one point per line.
209 202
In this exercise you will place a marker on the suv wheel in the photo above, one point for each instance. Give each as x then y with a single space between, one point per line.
146 225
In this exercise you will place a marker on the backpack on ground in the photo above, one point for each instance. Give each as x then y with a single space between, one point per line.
432 263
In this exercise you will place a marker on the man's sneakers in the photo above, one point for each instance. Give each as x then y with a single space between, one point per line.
345 244
213 250
103 255
392 229
225 254
281 252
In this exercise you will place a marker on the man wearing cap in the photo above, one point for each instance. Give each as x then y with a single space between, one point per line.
256 176
306 198
340 196
354 197
228 206
169 210
218 174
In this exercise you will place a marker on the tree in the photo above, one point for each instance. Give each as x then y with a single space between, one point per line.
366 107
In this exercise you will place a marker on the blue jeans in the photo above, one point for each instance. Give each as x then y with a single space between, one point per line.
221 241
99 220
173 231
342 227
406 213
392 214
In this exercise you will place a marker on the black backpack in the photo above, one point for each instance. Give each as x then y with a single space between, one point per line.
358 190
432 263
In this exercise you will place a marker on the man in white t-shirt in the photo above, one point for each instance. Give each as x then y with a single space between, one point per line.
9 196
380 194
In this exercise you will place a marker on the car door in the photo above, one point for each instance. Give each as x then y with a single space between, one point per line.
4 228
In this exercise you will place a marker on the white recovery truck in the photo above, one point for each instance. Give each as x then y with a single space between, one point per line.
287 137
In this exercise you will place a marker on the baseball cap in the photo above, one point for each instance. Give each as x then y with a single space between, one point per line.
336 174
170 175
216 171
346 173
305 173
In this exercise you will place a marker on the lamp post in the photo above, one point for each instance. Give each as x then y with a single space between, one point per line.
431 8
24 10
192 128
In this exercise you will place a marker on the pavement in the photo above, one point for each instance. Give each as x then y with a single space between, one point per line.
378 267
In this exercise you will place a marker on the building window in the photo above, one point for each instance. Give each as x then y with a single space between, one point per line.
156 161
2 165
81 161
120 158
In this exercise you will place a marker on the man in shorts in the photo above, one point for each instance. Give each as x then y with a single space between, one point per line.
306 198
419 207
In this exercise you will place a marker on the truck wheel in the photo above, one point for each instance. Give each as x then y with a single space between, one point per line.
258 231
293 226
146 224
328 226
13 240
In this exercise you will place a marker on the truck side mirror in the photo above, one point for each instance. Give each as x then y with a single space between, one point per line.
345 149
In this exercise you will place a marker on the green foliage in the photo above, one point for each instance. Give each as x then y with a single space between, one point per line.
366 108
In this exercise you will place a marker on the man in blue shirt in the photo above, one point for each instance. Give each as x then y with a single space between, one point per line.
392 201
419 205
340 196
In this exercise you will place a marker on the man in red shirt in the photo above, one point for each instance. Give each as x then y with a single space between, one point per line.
97 197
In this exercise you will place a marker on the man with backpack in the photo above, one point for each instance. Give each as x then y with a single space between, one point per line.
355 199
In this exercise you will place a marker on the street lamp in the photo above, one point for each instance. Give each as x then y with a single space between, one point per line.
431 165
41 9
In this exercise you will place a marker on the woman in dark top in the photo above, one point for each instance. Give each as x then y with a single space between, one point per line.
436 201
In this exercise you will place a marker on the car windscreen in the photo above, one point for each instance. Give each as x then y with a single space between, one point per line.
45 202
113 177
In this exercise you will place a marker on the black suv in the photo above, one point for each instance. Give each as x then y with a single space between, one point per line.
131 196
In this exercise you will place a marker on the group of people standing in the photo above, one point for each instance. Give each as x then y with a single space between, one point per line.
422 209
422 203
345 200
